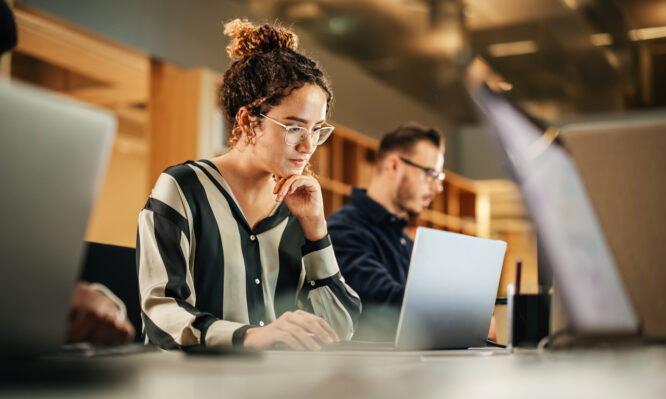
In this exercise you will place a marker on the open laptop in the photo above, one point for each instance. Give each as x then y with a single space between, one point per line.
53 154
449 295
450 291
576 249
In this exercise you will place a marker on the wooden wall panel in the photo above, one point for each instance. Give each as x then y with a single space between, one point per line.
122 70
173 117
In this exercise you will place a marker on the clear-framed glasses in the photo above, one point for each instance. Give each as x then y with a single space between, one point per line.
294 135
431 175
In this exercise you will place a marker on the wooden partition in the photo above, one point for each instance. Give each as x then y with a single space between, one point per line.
185 122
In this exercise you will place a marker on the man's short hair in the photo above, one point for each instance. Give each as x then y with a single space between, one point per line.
406 136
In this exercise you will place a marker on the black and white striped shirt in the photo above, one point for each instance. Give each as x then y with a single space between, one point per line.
205 276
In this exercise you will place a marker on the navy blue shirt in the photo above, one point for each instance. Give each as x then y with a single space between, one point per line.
373 252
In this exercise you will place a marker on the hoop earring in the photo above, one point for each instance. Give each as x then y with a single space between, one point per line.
250 139
238 131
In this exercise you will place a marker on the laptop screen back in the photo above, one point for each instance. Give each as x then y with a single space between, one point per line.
584 268
450 292
53 153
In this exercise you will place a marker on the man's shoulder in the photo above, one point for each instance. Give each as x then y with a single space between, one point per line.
351 224
346 215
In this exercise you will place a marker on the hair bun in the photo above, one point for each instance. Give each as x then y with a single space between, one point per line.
249 39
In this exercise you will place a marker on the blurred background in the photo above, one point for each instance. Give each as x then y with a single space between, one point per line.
156 65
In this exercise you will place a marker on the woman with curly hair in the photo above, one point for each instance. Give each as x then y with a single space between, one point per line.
235 250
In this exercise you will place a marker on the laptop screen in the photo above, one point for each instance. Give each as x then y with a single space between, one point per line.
53 152
583 266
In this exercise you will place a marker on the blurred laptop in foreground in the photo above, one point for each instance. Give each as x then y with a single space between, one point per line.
585 269
54 153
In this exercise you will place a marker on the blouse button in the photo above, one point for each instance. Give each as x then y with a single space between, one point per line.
403 241
312 283
253 237
261 323
257 281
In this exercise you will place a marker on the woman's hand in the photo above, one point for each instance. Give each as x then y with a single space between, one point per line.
302 195
298 330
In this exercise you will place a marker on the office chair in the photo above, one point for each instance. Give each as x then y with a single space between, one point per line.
115 267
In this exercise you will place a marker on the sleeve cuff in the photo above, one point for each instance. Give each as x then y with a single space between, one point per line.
325 281
321 263
239 336
225 333
312 246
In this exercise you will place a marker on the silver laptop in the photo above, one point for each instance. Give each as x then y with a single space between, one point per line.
53 154
450 292
449 295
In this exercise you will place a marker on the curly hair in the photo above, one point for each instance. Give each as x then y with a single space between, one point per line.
266 69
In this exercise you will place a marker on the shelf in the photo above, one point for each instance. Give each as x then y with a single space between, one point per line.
485 208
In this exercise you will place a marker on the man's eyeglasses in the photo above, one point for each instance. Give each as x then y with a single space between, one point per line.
431 175
294 135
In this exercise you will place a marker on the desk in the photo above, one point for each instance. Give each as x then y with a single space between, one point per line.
621 373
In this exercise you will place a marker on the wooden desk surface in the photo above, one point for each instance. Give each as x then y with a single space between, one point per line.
621 373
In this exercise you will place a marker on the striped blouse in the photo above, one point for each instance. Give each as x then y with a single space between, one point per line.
205 276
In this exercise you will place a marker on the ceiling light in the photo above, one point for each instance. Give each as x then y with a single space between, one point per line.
573 4
340 25
504 85
647 33
601 39
445 41
302 11
512 48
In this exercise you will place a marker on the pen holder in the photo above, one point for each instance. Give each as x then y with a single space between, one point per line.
529 318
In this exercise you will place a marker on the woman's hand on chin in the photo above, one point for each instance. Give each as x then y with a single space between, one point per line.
302 195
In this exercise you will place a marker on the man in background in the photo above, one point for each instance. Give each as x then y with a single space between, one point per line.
370 244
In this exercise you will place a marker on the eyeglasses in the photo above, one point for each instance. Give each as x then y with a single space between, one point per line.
431 175
294 135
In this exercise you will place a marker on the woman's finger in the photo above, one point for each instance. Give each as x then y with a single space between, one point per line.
307 183
298 183
291 341
286 186
326 327
302 335
315 325
278 184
